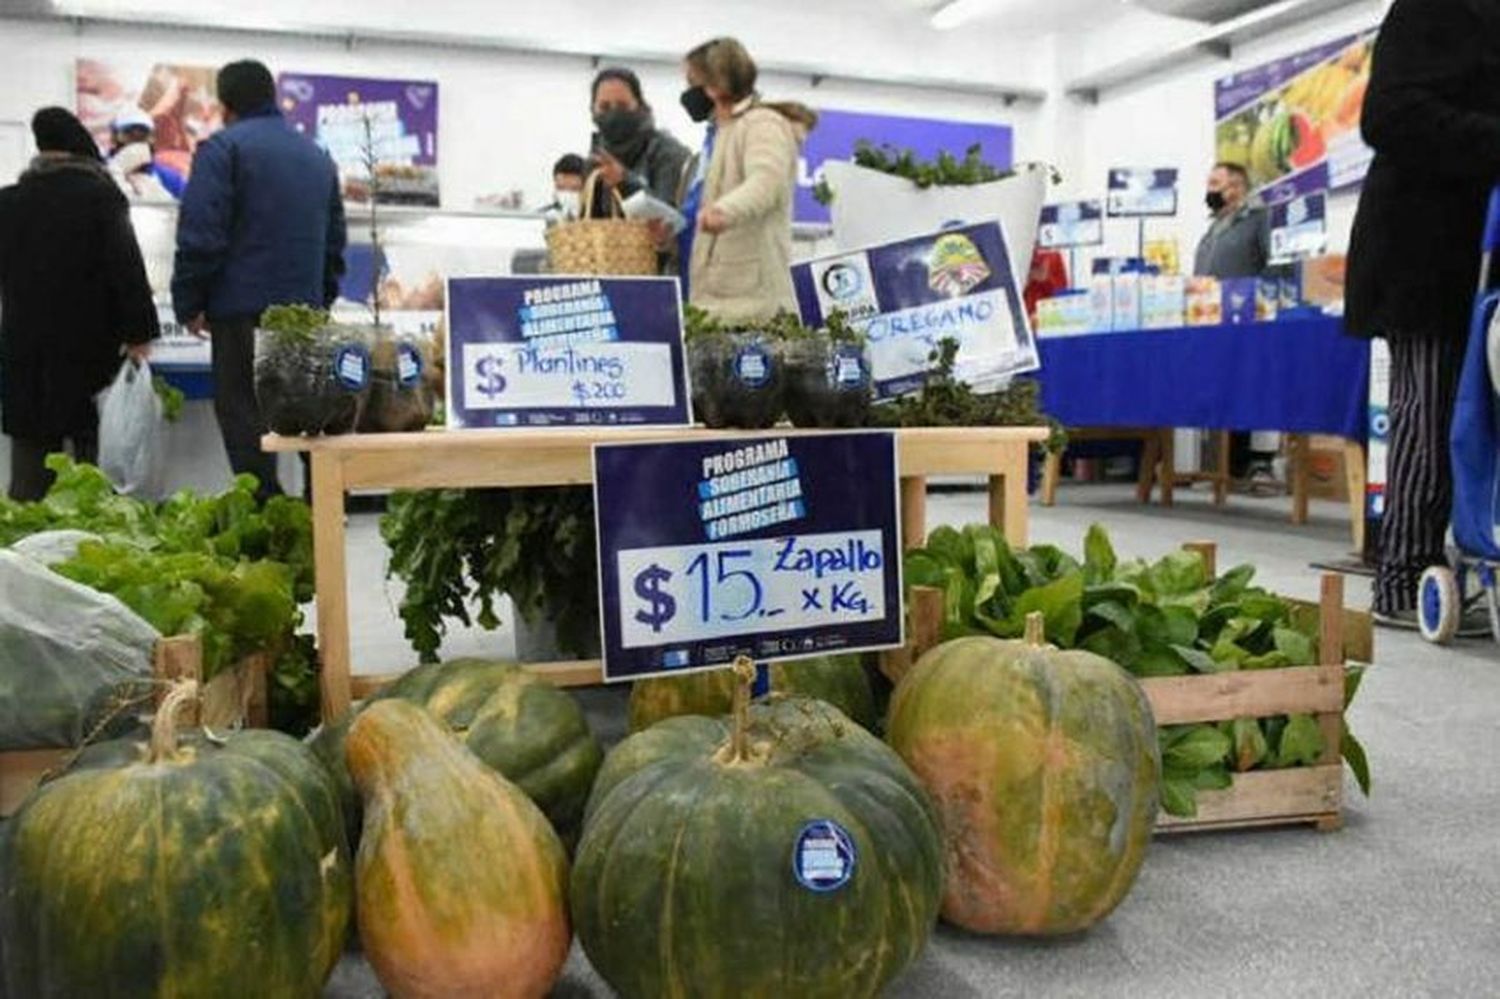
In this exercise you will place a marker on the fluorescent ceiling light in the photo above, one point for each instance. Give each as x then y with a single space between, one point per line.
957 12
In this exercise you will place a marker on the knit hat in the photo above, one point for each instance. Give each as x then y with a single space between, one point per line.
58 131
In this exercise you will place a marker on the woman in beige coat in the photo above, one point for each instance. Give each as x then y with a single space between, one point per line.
738 244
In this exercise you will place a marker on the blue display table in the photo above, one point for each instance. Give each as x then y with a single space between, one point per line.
1297 376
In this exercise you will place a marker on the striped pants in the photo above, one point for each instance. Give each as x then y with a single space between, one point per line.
1419 480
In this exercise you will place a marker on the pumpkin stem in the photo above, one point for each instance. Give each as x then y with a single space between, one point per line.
1036 629
739 740
164 725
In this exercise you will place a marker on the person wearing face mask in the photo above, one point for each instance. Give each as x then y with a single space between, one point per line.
630 152
567 182
1238 241
1237 245
737 246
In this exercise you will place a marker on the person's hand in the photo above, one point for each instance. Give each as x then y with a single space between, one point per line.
611 169
713 221
198 326
661 233
140 353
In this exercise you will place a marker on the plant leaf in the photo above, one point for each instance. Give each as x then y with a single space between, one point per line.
1297 647
1200 747
1354 755
1099 559
1201 662
1179 797
1301 742
1114 613
1250 747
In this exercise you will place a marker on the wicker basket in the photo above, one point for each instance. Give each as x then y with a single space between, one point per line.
614 245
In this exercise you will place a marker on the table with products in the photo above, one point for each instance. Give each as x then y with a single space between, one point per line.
546 457
1296 376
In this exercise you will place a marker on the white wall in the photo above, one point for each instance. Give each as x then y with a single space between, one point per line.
1167 121
504 118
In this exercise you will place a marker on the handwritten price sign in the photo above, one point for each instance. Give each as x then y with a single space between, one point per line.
539 351
775 548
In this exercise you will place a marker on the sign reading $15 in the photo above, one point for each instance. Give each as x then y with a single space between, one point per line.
775 547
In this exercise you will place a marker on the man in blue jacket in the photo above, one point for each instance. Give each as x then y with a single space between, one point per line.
261 224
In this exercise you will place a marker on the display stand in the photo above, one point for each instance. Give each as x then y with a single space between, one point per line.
523 458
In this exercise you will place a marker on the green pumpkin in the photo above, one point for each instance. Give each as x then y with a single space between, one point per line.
181 867
1045 767
837 680
684 881
534 734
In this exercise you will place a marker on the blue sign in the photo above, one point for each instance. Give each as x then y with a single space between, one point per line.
839 131
1138 193
772 547
1299 227
1071 223
825 856
556 351
907 297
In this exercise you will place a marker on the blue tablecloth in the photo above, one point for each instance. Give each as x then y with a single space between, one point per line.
195 382
1295 376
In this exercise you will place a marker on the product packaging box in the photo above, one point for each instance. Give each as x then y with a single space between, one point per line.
1127 301
1238 305
1322 279
1289 289
1267 299
1205 302
1065 314
1163 301
1101 303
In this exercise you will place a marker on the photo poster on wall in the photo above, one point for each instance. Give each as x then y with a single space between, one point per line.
838 132
181 101
1294 123
350 115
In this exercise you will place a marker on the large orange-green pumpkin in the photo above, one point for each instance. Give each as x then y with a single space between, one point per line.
683 884
1044 765
516 722
461 881
837 680
193 866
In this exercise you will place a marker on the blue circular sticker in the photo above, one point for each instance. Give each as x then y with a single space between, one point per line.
351 366
824 857
408 365
752 366
846 369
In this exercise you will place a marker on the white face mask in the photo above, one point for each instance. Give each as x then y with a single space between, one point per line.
568 203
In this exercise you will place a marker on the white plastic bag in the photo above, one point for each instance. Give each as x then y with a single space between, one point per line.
130 437
70 657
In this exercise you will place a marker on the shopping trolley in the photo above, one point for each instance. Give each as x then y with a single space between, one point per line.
1474 557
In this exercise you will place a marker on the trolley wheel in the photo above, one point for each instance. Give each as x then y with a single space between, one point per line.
1439 607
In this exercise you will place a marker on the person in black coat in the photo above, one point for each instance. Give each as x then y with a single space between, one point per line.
73 298
1432 115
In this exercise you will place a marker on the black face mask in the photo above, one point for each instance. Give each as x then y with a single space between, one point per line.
697 103
1215 201
620 127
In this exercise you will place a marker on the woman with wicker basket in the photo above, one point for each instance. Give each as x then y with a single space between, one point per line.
737 246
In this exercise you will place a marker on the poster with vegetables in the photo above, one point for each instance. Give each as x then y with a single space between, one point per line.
392 122
1294 123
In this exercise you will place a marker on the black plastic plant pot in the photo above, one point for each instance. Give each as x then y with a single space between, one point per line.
400 399
827 384
312 386
737 380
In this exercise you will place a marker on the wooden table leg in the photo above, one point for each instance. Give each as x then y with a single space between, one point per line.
1150 456
332 583
1051 473
1221 467
1354 475
913 512
1008 496
1168 449
1300 447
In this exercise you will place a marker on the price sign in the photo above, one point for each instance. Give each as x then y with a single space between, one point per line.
906 297
776 547
1071 223
1139 193
550 351
1299 228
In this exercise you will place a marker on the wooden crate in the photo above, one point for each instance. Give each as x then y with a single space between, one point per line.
236 696
1260 797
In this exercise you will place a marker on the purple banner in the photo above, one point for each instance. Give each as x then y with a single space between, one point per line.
838 131
351 116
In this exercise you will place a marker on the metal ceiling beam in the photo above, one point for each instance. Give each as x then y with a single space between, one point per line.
1219 40
82 16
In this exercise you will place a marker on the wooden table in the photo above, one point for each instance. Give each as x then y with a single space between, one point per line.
520 458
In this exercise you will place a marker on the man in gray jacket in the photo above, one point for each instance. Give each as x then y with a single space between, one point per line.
1237 245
